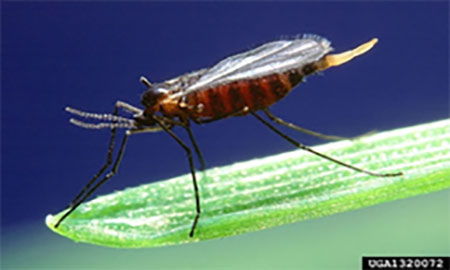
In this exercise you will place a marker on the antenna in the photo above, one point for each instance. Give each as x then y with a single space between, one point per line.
144 80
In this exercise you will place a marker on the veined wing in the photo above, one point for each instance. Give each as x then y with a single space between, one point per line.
273 57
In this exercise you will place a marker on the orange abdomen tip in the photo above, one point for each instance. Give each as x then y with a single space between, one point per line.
332 60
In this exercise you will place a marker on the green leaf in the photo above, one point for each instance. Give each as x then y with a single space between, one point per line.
267 192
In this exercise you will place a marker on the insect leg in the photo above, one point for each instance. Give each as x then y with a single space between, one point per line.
191 167
104 167
311 132
306 148
303 130
101 182
196 148
119 105
186 125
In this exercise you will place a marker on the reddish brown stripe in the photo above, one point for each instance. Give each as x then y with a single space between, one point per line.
278 88
294 77
264 83
235 98
215 100
203 98
259 96
224 91
244 90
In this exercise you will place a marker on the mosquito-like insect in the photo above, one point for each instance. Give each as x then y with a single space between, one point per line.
238 85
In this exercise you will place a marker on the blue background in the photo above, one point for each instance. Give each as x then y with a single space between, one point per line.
88 55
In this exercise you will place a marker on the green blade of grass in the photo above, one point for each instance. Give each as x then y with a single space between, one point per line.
267 192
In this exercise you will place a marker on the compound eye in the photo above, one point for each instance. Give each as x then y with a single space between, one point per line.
152 96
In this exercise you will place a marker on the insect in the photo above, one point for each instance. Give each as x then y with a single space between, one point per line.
236 86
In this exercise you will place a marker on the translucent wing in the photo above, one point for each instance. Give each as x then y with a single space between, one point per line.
273 57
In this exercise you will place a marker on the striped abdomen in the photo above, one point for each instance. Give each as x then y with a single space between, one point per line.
231 99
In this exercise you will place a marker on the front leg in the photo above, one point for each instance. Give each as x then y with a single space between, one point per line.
191 167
